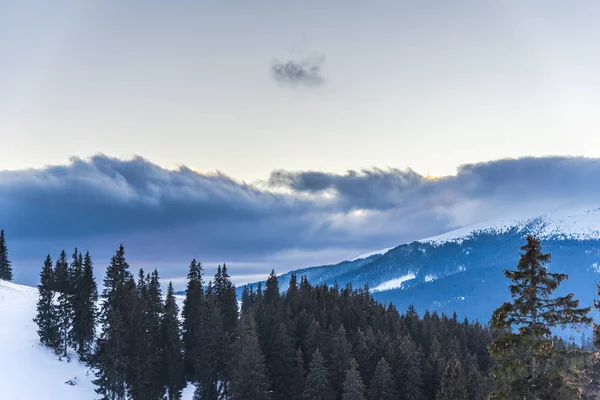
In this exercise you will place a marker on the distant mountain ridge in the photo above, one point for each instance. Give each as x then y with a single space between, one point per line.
462 270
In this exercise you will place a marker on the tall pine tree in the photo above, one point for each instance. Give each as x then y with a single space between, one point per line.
382 383
317 385
525 361
47 318
250 379
454 384
354 388
111 359
193 316
83 331
6 272
172 372
63 285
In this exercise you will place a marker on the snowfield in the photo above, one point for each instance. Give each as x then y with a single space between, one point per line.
29 371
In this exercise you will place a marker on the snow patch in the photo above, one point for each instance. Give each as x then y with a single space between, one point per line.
395 283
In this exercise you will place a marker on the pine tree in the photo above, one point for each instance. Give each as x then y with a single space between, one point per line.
6 272
282 366
382 383
193 315
250 379
525 362
297 388
317 385
339 354
409 376
111 359
63 285
354 388
147 378
46 318
224 294
172 371
83 331
454 384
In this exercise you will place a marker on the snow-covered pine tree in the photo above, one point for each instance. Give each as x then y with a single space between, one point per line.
6 272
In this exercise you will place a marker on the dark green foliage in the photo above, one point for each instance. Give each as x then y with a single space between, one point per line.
281 367
172 367
47 317
111 359
527 363
193 315
353 388
317 385
84 307
382 383
6 272
339 354
299 379
407 370
250 378
63 285
454 383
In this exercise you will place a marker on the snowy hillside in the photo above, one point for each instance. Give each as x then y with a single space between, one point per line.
461 270
28 371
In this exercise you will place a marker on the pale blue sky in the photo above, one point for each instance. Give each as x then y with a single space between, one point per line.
423 84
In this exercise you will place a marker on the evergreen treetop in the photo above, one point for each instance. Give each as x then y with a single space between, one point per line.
6 272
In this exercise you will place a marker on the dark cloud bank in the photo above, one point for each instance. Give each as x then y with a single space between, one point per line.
166 217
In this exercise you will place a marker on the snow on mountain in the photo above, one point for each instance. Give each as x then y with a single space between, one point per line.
395 283
568 223
28 370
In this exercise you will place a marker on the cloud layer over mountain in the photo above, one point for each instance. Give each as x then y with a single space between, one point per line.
168 216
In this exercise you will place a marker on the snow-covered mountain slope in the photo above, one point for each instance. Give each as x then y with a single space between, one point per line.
462 270
28 371
579 223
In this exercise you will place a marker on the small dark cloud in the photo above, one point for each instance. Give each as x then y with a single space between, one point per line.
306 72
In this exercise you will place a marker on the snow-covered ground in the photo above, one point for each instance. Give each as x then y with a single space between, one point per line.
28 371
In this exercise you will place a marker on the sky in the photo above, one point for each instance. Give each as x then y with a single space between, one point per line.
245 106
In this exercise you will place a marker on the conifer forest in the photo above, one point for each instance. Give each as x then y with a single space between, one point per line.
309 342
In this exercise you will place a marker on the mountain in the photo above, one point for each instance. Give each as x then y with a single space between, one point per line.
462 271
27 369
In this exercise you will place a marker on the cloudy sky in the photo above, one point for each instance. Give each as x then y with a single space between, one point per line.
309 130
